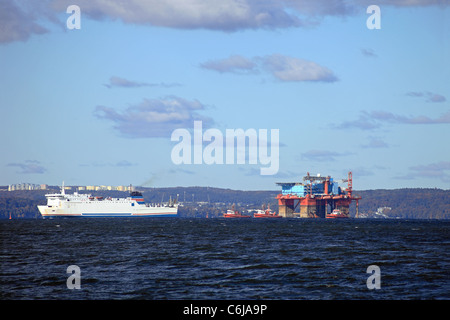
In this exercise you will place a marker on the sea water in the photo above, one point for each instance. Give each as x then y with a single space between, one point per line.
181 258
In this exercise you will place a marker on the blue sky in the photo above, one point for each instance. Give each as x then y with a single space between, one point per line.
96 106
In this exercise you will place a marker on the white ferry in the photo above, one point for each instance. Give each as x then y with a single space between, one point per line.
85 205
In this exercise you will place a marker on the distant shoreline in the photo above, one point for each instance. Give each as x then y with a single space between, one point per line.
413 203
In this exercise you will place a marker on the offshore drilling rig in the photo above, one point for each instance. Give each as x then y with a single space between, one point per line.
317 197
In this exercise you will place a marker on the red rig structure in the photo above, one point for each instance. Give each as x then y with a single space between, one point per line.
318 197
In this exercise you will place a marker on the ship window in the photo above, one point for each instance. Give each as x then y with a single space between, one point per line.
132 204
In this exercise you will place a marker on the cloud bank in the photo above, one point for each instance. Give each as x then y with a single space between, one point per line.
21 19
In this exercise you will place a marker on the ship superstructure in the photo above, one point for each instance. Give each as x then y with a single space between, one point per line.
233 213
266 213
85 205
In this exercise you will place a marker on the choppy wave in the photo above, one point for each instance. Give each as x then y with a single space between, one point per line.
157 258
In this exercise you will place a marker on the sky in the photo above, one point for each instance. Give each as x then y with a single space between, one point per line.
345 88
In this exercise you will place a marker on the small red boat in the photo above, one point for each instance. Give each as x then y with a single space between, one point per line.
336 214
234 214
266 214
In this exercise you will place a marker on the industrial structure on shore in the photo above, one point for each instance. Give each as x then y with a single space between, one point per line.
317 197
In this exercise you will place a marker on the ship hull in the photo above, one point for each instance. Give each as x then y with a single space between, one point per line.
337 216
235 216
266 216
47 212
85 205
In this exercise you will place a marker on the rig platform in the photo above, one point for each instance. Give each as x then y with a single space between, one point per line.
317 197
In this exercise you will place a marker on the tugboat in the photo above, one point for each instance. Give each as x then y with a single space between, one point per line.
336 214
261 213
234 214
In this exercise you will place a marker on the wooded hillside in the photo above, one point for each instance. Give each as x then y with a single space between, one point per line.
404 203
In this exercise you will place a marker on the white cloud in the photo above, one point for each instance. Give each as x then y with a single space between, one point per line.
375 119
375 143
321 155
403 3
121 163
438 170
154 118
224 15
233 64
287 68
17 22
430 96
29 167
124 83
393 118
320 8
228 15
369 53
434 169
281 67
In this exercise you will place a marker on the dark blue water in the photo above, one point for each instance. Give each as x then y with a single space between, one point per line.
157 258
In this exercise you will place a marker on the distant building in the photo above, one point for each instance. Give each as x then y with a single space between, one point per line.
23 186
31 186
